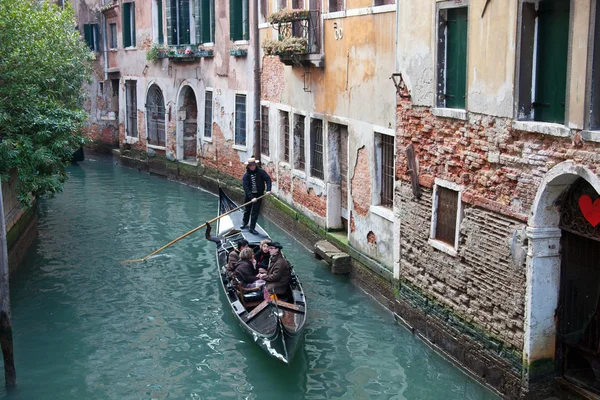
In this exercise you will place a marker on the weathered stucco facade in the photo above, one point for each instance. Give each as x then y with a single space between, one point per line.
505 172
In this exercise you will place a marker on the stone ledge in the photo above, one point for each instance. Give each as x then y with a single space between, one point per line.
340 262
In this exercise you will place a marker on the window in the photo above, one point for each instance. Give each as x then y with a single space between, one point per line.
240 119
383 2
113 35
128 24
384 156
90 32
157 22
452 58
239 28
446 216
208 112
316 148
131 110
299 142
264 130
114 100
205 32
543 60
179 15
284 129
336 5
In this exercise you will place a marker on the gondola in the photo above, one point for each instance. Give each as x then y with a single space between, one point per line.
275 325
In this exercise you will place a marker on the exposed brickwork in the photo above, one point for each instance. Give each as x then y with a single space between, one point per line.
220 155
361 183
272 79
308 198
285 181
500 167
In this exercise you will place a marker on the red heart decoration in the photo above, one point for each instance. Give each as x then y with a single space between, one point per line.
591 211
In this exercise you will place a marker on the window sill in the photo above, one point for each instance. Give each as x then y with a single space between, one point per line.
241 42
285 164
455 113
335 14
383 212
113 50
591 136
155 147
266 158
207 139
316 181
545 128
130 48
131 140
239 147
299 173
444 247
188 162
264 25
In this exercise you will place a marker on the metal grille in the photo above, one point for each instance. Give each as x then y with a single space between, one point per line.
155 113
131 108
316 144
285 133
208 111
305 27
571 217
447 208
264 130
299 142
240 119
387 170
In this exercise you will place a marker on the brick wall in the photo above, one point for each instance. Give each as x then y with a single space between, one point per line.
361 183
307 197
500 167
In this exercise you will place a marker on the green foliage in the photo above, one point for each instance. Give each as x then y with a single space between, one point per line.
289 45
43 66
288 15
156 52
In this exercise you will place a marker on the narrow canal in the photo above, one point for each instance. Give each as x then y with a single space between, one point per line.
87 327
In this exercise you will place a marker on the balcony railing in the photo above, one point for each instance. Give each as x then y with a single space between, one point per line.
299 35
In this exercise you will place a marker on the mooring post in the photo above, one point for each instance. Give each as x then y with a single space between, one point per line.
6 342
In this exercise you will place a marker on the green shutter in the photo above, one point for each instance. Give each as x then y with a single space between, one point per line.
126 25
87 34
171 22
132 11
184 22
207 21
235 20
161 37
245 28
456 58
551 70
212 20
198 4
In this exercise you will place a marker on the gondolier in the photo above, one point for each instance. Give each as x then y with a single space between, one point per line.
254 181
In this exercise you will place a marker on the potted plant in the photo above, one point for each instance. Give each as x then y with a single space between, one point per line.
238 51
288 15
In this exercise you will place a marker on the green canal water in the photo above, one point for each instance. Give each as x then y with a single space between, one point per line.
87 327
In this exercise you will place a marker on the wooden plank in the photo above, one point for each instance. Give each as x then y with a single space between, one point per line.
258 309
412 170
289 306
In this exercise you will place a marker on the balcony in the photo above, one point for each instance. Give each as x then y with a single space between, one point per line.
191 52
299 38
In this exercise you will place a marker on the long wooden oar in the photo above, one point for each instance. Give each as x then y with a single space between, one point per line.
190 232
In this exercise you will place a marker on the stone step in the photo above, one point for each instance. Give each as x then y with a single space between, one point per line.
340 262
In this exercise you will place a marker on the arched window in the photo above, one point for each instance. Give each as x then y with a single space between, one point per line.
155 115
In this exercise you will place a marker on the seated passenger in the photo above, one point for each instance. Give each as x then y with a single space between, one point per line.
261 255
234 256
279 273
244 271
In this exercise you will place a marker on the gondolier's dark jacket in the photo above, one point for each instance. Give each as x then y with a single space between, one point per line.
244 271
278 275
261 178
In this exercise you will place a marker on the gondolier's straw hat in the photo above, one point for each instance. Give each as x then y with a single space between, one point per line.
250 161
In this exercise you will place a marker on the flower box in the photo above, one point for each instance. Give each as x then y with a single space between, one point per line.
238 52
288 15
206 53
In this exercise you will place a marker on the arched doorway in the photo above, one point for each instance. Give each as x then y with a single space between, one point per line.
578 333
188 127
155 115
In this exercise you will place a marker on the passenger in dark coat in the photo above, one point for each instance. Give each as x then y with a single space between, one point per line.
234 255
244 271
279 273
254 181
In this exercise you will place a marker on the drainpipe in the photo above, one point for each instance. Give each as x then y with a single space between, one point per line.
105 43
256 81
